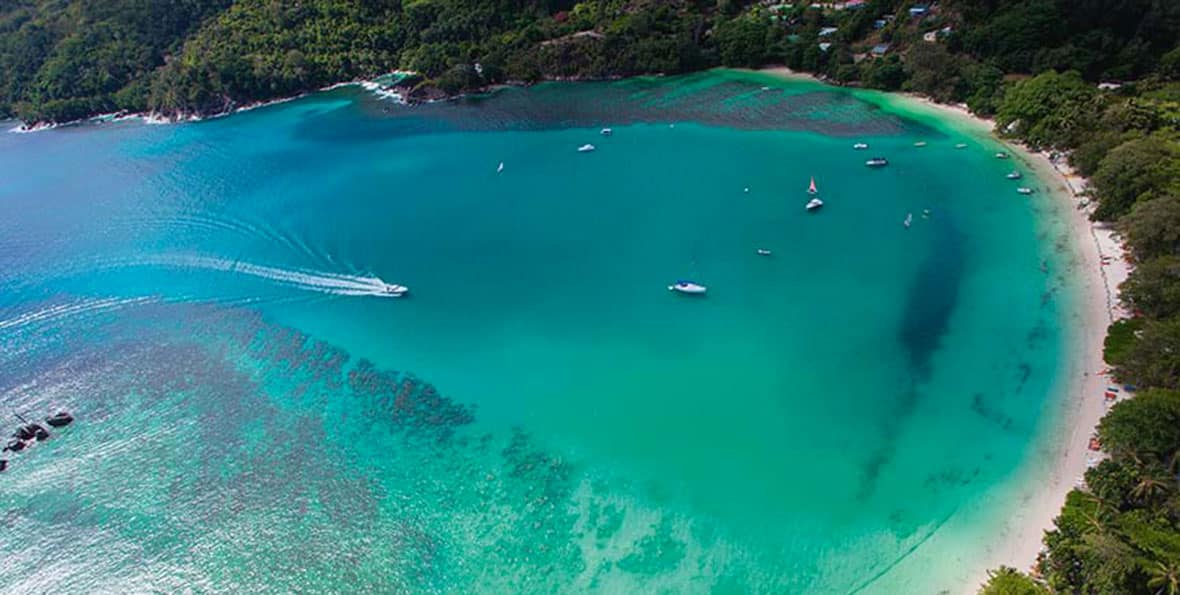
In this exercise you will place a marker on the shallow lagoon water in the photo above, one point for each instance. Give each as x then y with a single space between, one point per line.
540 413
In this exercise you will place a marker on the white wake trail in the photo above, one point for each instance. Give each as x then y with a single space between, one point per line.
324 282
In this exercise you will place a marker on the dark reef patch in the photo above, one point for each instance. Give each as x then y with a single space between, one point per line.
734 103
931 300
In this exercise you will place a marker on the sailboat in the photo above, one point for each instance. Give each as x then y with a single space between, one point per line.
815 203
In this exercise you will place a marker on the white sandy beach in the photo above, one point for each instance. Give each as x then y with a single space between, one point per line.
1064 457
1065 460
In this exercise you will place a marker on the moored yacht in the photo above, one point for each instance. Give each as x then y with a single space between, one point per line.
909 220
586 148
607 132
688 287
961 146
1014 176
1002 155
860 146
920 144
877 162
763 252
814 204
1024 190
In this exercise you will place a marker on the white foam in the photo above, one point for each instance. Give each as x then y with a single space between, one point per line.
321 281
62 311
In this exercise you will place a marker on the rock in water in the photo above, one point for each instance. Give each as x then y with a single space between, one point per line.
40 433
25 432
59 419
15 445
3 464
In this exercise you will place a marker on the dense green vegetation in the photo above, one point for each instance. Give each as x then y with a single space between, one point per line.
1033 64
65 59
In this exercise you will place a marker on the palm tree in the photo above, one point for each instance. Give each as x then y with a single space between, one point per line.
1150 485
1165 578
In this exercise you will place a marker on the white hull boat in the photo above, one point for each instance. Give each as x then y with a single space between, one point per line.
586 148
688 287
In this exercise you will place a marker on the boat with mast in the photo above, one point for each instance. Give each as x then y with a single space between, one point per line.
815 203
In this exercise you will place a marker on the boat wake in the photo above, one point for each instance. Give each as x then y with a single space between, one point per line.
320 281
62 311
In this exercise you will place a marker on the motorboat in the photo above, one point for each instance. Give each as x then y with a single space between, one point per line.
764 252
860 146
1002 155
877 162
500 168
688 287
814 204
393 290
1024 190
920 144
909 220
607 132
1014 176
961 146
586 148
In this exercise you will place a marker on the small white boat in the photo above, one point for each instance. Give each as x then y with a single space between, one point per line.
746 190
501 168
1001 155
688 287
925 213
877 162
920 144
814 204
586 148
1014 176
765 88
1024 190
860 146
607 132
394 290
909 220
763 252
961 146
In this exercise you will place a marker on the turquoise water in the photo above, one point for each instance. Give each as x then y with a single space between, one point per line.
540 414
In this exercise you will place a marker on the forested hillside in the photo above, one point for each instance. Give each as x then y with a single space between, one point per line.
65 59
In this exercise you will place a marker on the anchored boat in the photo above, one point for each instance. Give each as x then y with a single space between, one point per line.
688 287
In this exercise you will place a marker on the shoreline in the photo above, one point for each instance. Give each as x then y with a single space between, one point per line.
1061 456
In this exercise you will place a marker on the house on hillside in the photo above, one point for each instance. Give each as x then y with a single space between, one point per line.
879 50
918 10
826 31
